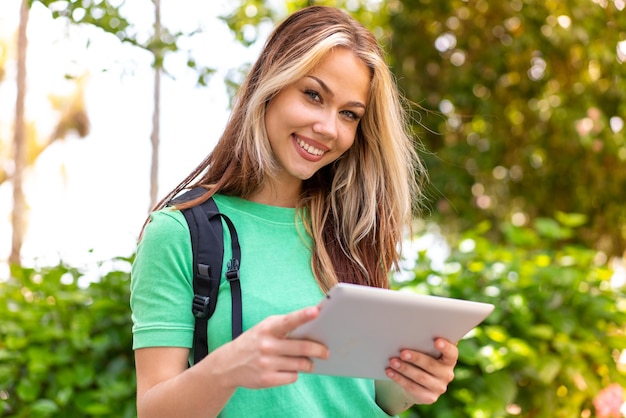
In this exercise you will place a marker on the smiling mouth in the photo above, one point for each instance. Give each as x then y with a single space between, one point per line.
309 148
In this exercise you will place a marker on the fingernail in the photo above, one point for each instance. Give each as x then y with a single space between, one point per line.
406 356
390 373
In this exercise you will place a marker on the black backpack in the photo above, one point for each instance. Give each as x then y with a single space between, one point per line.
207 245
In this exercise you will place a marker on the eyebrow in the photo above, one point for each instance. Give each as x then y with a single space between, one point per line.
325 87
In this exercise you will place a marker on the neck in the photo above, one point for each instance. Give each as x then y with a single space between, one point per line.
281 195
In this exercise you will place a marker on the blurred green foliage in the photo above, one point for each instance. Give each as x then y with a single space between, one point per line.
520 104
65 350
552 344
556 335
524 106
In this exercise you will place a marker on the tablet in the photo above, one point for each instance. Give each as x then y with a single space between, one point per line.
363 327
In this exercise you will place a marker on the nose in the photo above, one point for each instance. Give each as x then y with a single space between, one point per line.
326 124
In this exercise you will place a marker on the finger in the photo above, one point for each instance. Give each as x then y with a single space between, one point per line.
294 364
303 348
419 360
419 367
278 379
449 352
417 392
284 324
416 368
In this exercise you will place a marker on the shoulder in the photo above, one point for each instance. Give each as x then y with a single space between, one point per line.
164 248
164 223
166 232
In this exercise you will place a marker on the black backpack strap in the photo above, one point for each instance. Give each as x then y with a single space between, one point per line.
233 276
208 251
207 243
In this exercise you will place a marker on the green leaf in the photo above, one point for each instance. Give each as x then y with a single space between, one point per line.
501 386
571 220
550 228
549 367
27 389
44 408
541 331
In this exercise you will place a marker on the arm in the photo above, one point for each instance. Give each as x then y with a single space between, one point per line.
261 357
416 378
166 387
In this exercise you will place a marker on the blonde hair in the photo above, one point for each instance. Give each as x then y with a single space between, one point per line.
356 208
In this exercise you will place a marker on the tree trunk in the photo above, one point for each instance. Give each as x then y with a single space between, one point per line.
154 138
18 215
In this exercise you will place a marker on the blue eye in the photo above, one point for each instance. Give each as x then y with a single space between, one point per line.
313 95
351 115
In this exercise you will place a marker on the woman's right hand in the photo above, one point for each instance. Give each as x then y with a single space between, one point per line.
263 356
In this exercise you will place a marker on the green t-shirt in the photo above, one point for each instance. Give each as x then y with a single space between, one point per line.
276 278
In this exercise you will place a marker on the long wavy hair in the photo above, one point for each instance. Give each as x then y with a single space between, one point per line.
355 209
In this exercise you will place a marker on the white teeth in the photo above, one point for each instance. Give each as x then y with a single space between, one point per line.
309 148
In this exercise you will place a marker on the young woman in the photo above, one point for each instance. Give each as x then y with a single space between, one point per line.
317 172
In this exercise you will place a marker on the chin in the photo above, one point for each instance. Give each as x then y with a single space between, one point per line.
304 174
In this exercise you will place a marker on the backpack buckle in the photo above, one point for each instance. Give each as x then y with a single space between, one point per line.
204 270
200 306
233 270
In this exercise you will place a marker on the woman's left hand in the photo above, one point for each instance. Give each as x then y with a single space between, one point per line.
422 377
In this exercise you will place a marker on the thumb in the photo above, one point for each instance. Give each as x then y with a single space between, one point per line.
287 323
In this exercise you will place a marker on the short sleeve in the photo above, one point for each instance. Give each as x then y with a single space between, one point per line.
161 284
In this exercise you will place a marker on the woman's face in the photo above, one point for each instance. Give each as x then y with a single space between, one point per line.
313 122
